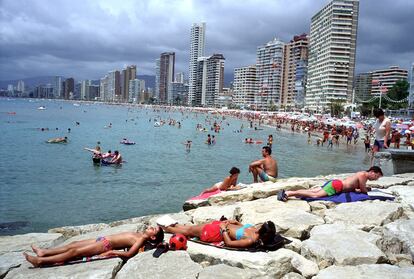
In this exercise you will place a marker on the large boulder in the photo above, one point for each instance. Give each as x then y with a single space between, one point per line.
366 271
405 193
211 213
368 214
222 271
291 218
341 244
102 269
172 265
273 264
398 237
388 181
70 231
12 247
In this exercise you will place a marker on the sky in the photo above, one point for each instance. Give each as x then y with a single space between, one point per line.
85 39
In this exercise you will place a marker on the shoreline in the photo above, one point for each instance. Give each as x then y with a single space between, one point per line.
382 233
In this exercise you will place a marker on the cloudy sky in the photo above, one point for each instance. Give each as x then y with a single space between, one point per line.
87 38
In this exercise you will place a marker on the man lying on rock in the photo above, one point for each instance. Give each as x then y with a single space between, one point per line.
105 246
354 183
233 233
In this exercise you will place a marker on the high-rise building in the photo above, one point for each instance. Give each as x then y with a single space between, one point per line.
114 86
209 80
103 89
179 77
84 92
269 74
363 87
245 86
295 59
157 78
197 45
136 90
20 86
332 45
94 92
167 64
57 87
383 80
411 91
69 88
128 74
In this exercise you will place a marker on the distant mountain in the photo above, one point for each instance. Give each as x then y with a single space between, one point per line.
28 82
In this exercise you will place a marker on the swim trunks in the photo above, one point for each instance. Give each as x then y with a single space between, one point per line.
211 232
106 243
333 187
265 177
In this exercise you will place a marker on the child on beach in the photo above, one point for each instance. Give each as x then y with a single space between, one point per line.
354 183
107 246
229 183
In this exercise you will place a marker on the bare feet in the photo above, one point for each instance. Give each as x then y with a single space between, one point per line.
31 259
38 251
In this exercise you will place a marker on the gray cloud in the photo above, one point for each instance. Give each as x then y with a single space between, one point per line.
86 39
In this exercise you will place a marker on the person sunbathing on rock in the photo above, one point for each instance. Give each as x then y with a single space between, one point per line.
227 184
105 246
354 183
233 233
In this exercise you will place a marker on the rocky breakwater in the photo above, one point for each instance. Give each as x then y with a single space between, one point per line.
370 239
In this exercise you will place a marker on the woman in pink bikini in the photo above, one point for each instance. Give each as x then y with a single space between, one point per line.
104 246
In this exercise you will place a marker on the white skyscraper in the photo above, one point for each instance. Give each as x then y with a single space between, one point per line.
136 90
179 77
244 86
103 89
20 86
57 87
411 91
197 46
84 92
332 45
157 78
269 74
209 80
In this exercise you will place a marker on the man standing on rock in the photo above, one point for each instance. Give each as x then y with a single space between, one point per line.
265 168
354 183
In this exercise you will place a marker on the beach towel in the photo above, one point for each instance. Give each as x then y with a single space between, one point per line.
354 197
205 195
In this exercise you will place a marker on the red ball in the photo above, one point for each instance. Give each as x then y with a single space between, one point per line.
178 242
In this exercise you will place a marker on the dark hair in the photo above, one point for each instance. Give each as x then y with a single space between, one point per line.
234 170
375 169
109 151
378 112
159 237
267 232
116 152
268 149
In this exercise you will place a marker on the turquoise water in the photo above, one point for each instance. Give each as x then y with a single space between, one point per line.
50 185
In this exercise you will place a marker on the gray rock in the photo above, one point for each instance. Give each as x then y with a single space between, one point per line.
273 264
71 231
368 214
365 271
211 213
12 247
103 269
398 237
388 181
291 218
405 194
331 244
181 218
172 265
293 275
222 271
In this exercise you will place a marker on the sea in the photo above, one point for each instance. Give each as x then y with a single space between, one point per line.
45 185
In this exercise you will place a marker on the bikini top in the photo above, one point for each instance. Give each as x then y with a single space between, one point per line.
240 231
